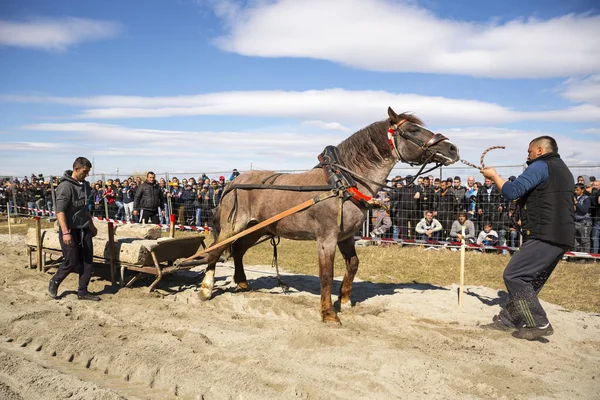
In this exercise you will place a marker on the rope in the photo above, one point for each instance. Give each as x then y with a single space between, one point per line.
482 167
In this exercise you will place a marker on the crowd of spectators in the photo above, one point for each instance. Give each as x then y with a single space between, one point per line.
428 208
436 209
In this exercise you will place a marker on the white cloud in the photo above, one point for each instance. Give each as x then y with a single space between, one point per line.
386 35
592 131
55 34
140 149
352 107
330 126
583 90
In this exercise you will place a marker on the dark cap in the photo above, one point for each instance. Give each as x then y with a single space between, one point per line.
512 178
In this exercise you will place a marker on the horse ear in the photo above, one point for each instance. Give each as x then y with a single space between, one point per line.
393 115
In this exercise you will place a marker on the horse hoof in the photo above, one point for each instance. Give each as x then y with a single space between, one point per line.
205 294
242 287
331 319
344 304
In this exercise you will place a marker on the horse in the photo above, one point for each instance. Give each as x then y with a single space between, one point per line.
368 155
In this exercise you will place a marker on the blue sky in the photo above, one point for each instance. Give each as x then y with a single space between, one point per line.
200 86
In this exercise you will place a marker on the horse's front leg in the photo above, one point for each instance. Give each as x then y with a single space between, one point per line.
326 257
349 252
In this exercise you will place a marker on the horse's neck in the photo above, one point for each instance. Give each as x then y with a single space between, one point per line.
377 173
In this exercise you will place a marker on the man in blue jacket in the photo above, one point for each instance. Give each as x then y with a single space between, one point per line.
545 196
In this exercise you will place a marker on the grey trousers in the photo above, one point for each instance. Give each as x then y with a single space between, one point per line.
524 277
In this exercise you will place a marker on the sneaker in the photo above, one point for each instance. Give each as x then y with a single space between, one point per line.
497 325
88 296
534 333
53 289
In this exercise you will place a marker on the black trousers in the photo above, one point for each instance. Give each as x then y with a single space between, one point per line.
148 216
78 257
524 277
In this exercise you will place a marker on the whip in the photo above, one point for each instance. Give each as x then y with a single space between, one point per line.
482 157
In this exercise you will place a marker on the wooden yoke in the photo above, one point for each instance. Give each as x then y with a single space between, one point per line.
261 225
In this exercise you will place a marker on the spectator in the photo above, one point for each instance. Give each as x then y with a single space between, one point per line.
583 219
408 208
175 192
395 196
429 228
460 194
127 196
489 204
382 220
488 236
187 197
470 183
213 198
148 199
509 228
120 214
425 196
456 231
234 174
164 207
445 204
221 182
471 198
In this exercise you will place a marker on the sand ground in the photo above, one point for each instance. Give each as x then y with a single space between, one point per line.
407 341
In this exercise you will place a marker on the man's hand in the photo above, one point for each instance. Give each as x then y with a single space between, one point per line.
67 240
459 237
489 173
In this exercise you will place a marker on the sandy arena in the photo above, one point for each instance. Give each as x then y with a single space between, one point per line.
406 341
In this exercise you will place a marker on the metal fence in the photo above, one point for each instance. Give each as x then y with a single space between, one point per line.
400 222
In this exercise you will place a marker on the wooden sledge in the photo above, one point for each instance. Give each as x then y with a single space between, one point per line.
163 256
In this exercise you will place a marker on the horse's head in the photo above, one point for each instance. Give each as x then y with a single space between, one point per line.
414 144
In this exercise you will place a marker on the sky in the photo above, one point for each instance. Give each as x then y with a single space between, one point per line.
211 85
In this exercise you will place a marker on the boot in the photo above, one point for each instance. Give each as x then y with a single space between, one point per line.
53 289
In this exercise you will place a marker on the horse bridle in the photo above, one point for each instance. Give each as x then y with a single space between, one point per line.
396 131
427 155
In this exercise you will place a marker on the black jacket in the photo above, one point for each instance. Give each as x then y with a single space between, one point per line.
547 211
148 197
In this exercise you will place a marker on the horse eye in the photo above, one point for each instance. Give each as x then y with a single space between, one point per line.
414 129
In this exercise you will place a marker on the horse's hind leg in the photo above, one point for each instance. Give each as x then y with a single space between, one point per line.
238 249
349 253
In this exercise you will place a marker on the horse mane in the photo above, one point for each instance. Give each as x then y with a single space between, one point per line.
370 145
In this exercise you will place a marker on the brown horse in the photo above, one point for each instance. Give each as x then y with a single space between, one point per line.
370 153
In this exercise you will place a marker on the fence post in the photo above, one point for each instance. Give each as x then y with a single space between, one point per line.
53 196
462 269
38 237
9 227
172 226
111 249
14 202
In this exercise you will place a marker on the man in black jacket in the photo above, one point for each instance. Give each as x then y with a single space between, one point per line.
76 229
148 198
545 193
